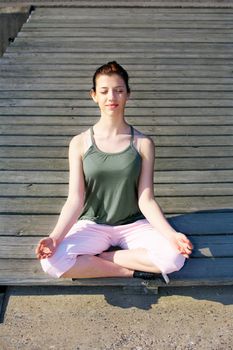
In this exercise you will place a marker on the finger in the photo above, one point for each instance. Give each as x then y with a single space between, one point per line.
185 252
190 245
186 245
38 256
186 240
43 256
38 248
188 251
46 250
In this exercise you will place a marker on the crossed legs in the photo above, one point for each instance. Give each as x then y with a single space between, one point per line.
120 263
82 254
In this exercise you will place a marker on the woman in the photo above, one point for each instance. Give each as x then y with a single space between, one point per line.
111 195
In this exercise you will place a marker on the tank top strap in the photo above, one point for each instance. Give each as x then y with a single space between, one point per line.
132 135
92 136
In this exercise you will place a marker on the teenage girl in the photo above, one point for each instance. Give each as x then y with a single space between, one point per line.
111 199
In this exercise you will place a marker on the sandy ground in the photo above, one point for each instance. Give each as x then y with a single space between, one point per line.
79 319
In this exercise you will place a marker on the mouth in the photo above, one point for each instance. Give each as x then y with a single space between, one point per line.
112 105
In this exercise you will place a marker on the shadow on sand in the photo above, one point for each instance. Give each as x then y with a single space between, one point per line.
117 298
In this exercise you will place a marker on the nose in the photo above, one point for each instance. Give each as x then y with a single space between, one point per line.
111 94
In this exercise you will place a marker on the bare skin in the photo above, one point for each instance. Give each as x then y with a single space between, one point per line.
112 134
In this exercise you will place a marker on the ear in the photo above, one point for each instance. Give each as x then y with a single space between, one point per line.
128 96
93 95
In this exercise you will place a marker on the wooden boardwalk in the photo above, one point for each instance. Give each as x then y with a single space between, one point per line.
180 64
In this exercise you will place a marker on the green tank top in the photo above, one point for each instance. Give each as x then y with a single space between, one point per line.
111 184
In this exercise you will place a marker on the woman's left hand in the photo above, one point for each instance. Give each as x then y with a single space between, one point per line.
182 243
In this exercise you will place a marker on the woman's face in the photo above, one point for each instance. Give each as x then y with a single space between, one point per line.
111 94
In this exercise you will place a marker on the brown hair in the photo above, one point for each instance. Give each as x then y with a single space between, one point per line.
112 68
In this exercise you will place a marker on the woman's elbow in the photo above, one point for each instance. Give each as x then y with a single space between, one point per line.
144 202
75 201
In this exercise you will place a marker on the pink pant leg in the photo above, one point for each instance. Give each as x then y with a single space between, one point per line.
142 235
85 237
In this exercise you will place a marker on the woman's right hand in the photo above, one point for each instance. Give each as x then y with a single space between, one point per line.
45 248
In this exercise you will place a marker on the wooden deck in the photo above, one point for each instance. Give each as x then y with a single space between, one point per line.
180 64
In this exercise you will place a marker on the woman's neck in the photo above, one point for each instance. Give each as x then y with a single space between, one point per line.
111 126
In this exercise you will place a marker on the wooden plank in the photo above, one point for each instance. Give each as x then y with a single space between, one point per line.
160 164
214 222
43 5
51 58
203 222
131 111
152 23
136 120
27 225
37 71
137 81
176 176
87 103
143 15
127 49
75 73
171 24
165 86
128 11
36 98
19 97
170 6
193 164
212 246
53 205
159 140
151 130
140 50
204 271
160 190
205 34
155 37
149 44
133 69
161 152
204 247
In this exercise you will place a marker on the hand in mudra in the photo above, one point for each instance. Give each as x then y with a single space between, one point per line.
45 248
182 243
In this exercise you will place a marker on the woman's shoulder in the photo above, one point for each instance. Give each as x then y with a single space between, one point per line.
143 139
78 142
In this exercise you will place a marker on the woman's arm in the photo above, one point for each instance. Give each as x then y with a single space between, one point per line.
75 200
147 204
73 205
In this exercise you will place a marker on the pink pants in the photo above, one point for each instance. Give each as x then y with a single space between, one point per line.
88 237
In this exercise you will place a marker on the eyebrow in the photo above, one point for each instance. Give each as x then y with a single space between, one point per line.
115 87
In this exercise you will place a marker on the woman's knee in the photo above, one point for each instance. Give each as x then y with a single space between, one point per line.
167 263
56 269
175 263
48 268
